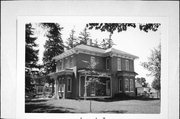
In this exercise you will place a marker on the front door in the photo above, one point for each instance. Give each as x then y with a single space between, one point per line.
62 91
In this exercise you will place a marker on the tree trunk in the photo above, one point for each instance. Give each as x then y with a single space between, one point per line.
90 106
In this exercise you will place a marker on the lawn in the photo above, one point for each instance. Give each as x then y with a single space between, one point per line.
98 106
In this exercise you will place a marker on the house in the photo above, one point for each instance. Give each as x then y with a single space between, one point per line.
140 90
113 68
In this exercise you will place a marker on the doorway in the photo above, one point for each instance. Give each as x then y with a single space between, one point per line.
61 91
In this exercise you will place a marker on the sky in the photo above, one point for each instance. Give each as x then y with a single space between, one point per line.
132 41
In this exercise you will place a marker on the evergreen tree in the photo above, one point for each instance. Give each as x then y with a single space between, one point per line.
31 57
53 46
72 40
84 36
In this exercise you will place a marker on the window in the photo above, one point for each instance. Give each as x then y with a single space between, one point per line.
71 61
120 85
93 62
66 63
69 84
131 85
127 65
107 63
108 84
60 65
126 85
119 64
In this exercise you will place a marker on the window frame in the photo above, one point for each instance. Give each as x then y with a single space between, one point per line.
119 64
127 65
120 84
131 85
70 61
126 80
107 64
69 83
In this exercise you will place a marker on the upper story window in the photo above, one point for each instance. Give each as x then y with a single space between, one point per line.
71 61
119 64
66 63
93 62
60 65
127 65
107 63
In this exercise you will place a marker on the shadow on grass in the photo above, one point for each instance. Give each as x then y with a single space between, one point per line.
123 99
114 111
44 108
30 100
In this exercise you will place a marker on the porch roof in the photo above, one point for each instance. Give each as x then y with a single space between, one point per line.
126 73
100 74
62 72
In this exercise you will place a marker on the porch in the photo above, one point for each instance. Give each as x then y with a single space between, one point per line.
94 84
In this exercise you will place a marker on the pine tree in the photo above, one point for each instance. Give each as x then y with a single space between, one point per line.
53 46
31 57
72 40
84 36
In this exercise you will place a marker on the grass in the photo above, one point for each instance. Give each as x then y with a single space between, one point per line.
98 106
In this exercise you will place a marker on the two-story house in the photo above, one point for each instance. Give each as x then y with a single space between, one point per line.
113 68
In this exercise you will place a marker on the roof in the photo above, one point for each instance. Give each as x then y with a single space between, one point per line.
95 51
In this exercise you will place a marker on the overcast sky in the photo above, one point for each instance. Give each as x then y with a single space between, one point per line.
132 40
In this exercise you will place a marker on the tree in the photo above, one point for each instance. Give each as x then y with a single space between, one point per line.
142 81
72 40
119 27
53 47
84 36
31 57
154 66
92 80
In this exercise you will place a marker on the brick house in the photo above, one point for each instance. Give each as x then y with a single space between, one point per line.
114 69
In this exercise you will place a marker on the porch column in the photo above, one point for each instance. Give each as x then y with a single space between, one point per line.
85 87
56 90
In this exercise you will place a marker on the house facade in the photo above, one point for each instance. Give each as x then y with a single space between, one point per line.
113 70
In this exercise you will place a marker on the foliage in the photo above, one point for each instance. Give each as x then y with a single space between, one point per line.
84 36
53 46
31 53
142 81
72 41
110 27
119 27
31 57
154 66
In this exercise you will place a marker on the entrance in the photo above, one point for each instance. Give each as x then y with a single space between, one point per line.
61 91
